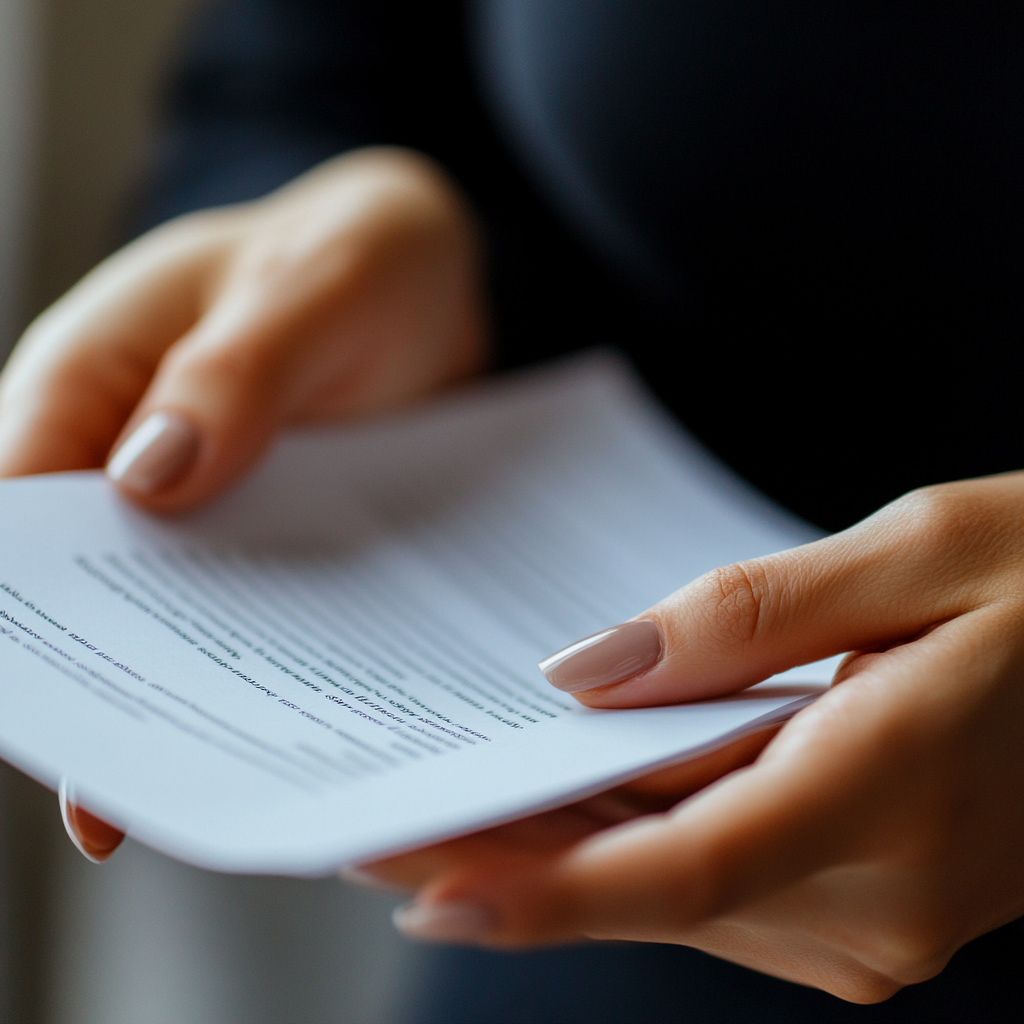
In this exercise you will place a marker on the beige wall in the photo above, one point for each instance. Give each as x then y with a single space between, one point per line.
18 65
101 65
143 940
78 81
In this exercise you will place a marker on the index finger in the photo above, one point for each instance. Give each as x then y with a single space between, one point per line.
924 559
81 367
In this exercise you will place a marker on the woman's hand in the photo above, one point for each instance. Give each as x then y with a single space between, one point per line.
876 833
353 289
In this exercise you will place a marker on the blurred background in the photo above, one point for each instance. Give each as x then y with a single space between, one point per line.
141 940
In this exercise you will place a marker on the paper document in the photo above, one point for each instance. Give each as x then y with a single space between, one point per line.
337 660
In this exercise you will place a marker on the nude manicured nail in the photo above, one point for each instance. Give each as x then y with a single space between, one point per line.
156 454
363 878
611 656
444 922
94 839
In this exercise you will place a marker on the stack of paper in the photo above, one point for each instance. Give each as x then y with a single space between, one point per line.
338 659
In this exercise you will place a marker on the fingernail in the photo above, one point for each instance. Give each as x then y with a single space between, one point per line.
610 656
363 878
94 839
155 454
444 922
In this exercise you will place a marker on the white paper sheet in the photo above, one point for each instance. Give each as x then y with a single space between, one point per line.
338 659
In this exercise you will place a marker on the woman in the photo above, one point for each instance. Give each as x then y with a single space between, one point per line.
803 221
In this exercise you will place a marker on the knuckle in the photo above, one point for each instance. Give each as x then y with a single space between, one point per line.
918 964
891 957
235 367
863 988
183 239
233 360
958 533
914 952
937 517
734 602
196 227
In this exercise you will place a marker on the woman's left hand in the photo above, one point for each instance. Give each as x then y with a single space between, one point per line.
875 834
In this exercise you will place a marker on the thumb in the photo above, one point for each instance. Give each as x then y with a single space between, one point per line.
881 581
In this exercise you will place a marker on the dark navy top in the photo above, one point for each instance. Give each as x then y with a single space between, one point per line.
803 220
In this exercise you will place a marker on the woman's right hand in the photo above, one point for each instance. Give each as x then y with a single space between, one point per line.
352 290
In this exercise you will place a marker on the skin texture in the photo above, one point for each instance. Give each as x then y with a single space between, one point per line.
855 849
